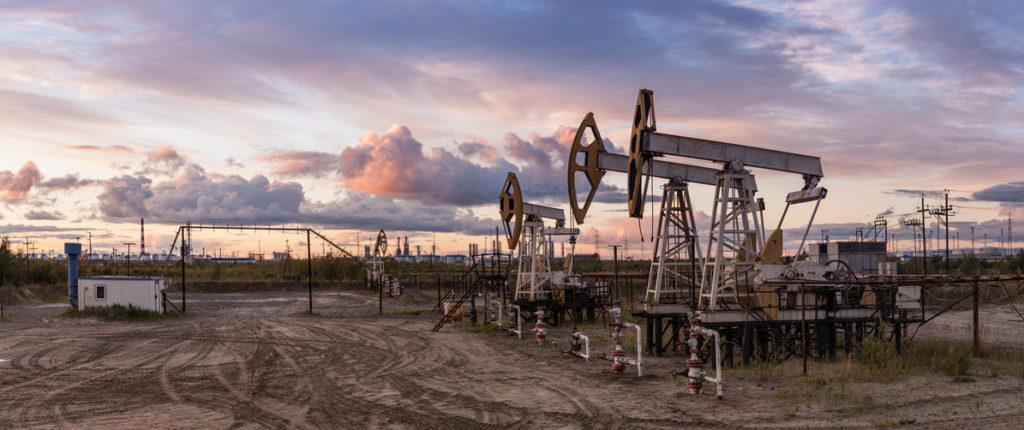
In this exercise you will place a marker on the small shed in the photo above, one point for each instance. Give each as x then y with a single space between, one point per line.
143 293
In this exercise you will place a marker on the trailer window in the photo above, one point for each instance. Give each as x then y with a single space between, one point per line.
101 291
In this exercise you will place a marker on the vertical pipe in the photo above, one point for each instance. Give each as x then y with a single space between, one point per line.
73 250
309 272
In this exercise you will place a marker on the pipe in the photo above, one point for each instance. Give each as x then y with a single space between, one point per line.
496 317
639 363
696 373
540 327
580 350
618 355
519 323
73 250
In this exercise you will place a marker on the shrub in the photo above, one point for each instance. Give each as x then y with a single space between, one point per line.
956 362
877 352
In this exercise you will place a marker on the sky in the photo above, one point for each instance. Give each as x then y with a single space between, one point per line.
351 117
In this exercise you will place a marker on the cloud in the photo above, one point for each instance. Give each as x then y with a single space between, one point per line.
117 148
23 228
16 187
66 182
230 161
44 215
197 196
395 164
125 197
1012 192
301 163
479 150
163 160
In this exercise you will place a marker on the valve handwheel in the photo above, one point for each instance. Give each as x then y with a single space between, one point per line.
512 210
588 166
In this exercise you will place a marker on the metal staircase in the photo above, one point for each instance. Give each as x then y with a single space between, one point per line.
464 288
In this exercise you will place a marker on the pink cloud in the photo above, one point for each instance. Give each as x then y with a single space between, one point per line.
301 163
16 187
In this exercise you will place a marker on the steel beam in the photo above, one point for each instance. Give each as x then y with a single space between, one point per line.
722 152
662 169
544 211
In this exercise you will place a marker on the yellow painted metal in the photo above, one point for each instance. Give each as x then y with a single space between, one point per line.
381 247
512 210
643 122
588 166
767 297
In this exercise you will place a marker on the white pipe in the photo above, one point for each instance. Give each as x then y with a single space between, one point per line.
718 358
519 323
639 352
586 345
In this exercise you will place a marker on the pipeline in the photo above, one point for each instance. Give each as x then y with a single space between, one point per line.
519 324
696 374
618 355
577 349
495 317
540 327
472 307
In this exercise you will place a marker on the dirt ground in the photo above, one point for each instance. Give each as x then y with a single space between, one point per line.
256 361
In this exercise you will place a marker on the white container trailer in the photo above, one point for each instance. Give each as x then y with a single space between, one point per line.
143 293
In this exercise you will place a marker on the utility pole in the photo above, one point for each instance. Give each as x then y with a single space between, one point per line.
28 256
972 240
129 257
924 236
945 211
90 246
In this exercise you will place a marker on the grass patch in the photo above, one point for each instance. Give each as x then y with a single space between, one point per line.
486 328
957 362
118 313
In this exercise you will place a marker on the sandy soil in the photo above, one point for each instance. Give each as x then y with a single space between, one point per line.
254 361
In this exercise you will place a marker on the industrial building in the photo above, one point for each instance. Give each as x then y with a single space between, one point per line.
142 293
862 256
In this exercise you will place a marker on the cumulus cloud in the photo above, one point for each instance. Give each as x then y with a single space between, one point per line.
16 186
197 196
395 164
301 163
164 160
125 197
479 150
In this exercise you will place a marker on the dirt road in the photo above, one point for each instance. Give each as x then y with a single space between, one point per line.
252 361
